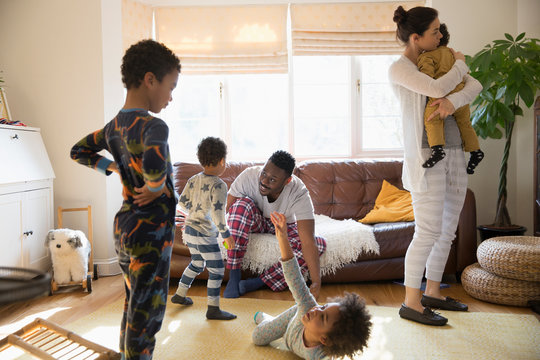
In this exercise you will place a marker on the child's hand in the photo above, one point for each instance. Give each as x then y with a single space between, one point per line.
145 196
458 55
229 242
315 289
112 167
280 223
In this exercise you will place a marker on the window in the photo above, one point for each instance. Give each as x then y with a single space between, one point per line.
322 106
379 115
326 106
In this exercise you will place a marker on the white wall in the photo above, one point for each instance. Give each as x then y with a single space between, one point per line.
61 62
524 139
51 55
473 24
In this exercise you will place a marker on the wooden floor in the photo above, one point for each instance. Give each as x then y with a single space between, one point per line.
70 304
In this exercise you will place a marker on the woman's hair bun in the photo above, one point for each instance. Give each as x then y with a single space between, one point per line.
400 15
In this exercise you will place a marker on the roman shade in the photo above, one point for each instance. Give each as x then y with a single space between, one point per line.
136 22
225 39
346 28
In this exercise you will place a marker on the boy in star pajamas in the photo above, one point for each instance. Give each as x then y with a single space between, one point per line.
144 225
204 198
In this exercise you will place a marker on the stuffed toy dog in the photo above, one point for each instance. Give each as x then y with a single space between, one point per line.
70 250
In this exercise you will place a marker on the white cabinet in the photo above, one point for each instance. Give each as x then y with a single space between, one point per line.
26 198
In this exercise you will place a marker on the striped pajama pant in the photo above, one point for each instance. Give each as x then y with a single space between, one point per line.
436 214
245 218
205 252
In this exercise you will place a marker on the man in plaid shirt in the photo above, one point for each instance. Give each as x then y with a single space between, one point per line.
254 195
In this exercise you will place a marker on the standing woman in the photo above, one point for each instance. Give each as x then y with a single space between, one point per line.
438 193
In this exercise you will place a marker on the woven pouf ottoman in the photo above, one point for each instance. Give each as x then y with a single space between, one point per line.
484 285
514 257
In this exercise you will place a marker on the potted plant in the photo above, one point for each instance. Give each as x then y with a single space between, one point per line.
509 70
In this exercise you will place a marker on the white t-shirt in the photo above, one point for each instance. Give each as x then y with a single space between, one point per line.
294 201
411 88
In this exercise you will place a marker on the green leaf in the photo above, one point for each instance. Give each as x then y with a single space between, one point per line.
488 96
496 134
509 71
526 93
513 52
500 92
485 61
505 112
510 95
516 74
478 115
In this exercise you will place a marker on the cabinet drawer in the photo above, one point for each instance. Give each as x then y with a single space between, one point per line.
23 156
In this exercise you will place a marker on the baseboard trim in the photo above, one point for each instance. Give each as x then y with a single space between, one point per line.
108 267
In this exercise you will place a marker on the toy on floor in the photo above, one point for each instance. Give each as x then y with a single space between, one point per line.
70 251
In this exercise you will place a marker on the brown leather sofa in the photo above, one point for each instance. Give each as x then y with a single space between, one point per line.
345 189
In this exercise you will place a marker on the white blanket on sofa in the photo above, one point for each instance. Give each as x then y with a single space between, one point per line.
345 241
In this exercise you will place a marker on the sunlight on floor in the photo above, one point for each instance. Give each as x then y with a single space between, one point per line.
172 328
104 335
14 326
378 344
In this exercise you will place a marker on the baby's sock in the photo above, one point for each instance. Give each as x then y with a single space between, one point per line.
249 285
177 299
231 290
474 160
215 313
437 154
260 317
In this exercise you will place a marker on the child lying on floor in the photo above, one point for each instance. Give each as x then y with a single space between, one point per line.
312 331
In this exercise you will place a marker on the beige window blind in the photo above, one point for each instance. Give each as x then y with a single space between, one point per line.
226 39
346 28
136 22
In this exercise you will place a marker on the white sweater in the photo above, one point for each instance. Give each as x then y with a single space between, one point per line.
411 88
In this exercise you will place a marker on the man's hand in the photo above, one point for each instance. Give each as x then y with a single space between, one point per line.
445 108
145 196
315 289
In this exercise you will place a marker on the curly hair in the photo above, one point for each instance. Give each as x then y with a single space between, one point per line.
414 21
283 160
351 332
211 150
147 56
445 35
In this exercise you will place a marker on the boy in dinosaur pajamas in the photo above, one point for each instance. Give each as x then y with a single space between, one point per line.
144 225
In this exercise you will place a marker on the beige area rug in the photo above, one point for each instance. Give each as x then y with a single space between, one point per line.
186 334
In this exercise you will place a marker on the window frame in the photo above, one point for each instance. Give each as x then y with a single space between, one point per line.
355 120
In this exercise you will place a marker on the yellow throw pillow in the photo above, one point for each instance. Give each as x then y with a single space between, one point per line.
391 205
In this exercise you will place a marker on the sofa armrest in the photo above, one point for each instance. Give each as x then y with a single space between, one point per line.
466 241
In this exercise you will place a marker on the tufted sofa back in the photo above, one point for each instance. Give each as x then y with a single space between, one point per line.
347 189
341 189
